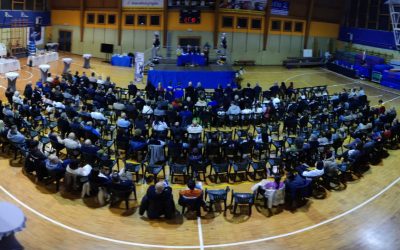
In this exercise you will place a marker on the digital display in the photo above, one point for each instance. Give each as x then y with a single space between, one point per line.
190 16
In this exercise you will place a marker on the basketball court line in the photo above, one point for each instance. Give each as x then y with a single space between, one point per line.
364 83
200 233
201 240
201 246
308 73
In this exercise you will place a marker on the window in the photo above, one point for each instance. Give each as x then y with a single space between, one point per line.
256 24
18 4
111 19
6 4
90 18
155 20
276 25
298 27
29 5
101 19
40 5
129 19
227 22
142 20
242 23
287 26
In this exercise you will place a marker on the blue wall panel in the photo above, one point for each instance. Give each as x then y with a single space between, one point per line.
373 38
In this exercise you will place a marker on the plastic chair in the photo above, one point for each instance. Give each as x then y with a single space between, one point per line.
242 199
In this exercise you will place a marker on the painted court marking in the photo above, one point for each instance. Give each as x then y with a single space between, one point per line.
201 246
200 233
199 226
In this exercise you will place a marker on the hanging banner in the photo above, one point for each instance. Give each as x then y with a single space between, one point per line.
13 18
143 3
35 35
139 66
278 7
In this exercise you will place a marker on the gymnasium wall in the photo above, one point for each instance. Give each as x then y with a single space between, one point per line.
243 43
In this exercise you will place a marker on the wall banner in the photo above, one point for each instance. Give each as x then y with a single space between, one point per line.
143 3
139 66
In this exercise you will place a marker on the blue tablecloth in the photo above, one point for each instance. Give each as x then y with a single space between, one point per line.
362 71
208 79
122 61
12 219
194 59
381 67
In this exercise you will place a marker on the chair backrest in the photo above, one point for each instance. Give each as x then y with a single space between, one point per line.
259 164
243 198
218 194
220 167
241 166
133 167
156 153
178 168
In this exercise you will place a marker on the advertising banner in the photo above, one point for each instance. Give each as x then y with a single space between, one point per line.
139 66
143 3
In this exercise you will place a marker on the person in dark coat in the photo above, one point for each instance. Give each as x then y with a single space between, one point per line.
158 201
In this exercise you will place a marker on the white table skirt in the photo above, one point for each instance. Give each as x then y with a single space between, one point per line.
12 75
8 65
44 67
43 59
87 56
67 60
12 219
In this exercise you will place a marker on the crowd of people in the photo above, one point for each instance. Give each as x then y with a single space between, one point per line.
295 135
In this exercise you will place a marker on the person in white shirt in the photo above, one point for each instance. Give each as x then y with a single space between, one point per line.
257 109
16 98
276 101
160 126
194 128
147 110
118 106
100 80
246 111
233 109
98 115
58 105
49 78
317 172
70 142
201 103
361 92
73 168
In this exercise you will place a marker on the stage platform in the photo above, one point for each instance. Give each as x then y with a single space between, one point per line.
209 76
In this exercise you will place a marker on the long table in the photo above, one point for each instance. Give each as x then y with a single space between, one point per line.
42 59
8 65
194 59
341 70
208 78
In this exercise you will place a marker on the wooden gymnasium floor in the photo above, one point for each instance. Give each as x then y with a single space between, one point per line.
366 215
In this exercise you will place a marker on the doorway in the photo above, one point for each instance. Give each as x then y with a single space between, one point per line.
64 40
